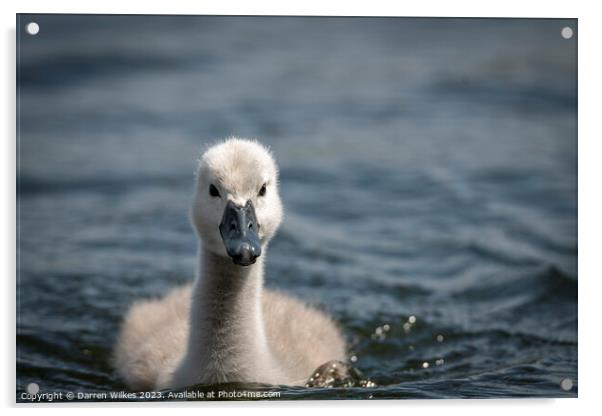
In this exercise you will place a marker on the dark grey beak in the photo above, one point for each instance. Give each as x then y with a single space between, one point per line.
239 230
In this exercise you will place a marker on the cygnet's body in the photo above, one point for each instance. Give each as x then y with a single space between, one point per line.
225 327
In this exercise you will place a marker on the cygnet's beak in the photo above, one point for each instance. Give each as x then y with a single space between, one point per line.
239 230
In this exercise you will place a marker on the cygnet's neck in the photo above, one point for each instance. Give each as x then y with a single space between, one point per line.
227 339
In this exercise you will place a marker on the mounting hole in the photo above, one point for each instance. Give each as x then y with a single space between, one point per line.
33 388
32 28
566 32
566 384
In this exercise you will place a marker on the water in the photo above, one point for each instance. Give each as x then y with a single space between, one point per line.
428 172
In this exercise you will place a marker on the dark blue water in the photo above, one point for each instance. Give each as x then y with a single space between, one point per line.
428 172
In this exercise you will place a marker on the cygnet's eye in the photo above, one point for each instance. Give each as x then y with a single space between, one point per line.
213 191
262 190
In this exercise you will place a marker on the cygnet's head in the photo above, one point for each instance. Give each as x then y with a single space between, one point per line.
236 208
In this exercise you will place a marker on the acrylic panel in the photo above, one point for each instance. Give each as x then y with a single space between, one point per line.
397 220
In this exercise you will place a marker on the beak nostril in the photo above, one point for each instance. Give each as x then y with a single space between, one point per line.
240 233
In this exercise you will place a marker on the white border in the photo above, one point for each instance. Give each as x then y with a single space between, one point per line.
509 8
590 199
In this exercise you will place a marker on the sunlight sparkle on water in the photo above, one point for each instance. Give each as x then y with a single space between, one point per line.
380 332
